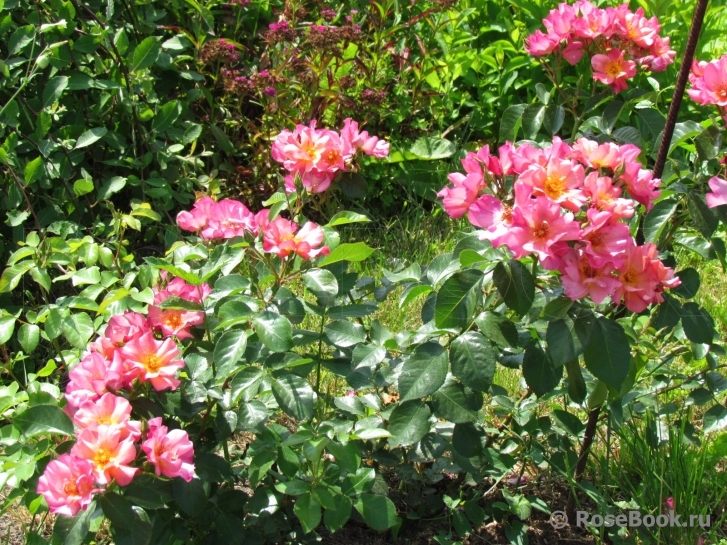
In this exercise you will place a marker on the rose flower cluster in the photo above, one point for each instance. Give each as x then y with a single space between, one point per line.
229 218
133 350
316 155
709 87
709 84
617 40
566 206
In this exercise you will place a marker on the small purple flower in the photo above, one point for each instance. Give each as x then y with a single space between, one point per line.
328 14
270 91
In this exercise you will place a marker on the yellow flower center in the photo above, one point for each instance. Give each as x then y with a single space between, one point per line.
333 156
102 457
152 362
613 69
310 149
554 187
630 277
596 240
541 230
70 488
172 319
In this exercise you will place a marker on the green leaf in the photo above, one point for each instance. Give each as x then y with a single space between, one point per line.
91 136
627 135
229 348
432 148
20 39
557 308
702 216
708 143
251 415
608 354
347 456
294 395
73 530
499 329
467 439
53 90
408 423
343 333
668 313
274 331
510 122
130 525
33 170
563 343
455 403
28 337
149 492
82 187
697 323
7 326
54 324
308 512
145 54
473 360
715 418
532 120
423 373
515 284
658 218
89 275
357 251
540 374
77 329
352 311
166 116
568 422
576 384
379 512
222 140
111 187
456 300
690 283
345 217
321 282
234 312
335 519
554 118
177 303
42 419
360 482
353 185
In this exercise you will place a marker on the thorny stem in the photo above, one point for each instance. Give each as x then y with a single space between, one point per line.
25 195
588 436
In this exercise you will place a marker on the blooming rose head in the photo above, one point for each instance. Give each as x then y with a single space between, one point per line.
171 452
67 485
109 454
613 69
283 238
153 361
109 410
89 380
